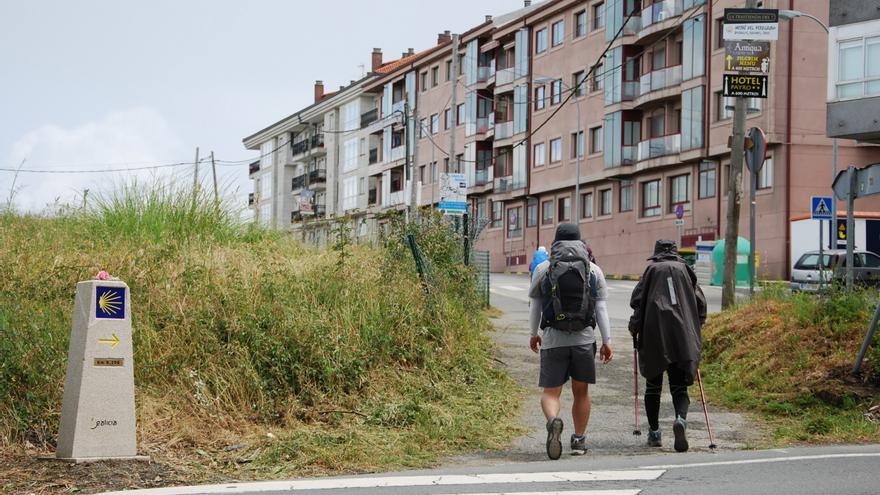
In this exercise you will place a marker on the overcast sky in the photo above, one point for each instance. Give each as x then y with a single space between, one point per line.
112 84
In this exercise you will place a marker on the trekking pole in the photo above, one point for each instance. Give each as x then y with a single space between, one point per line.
706 411
637 431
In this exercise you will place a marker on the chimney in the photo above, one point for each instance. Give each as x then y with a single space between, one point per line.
377 59
410 51
319 91
488 18
527 3
444 37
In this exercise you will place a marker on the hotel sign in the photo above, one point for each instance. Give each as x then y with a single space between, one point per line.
747 56
745 85
751 24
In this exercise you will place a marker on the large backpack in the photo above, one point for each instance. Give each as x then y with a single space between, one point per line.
569 294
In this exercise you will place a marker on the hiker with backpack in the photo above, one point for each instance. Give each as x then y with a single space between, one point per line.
669 309
568 301
541 255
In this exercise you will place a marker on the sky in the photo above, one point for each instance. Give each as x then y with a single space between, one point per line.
110 84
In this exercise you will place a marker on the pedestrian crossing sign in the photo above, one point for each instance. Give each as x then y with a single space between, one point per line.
822 208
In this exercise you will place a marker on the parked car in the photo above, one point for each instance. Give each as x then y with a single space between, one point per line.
806 272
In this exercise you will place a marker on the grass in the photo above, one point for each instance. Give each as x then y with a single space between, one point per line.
787 358
255 357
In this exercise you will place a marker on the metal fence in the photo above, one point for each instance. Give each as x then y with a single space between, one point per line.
480 260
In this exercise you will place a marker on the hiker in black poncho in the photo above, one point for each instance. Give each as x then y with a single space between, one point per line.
669 309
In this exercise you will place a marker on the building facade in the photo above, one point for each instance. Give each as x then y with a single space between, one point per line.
628 93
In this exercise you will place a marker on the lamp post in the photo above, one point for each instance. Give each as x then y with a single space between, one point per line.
579 148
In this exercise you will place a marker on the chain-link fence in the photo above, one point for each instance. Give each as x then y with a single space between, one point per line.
480 260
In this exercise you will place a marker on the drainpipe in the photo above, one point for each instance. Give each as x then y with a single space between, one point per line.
710 35
788 147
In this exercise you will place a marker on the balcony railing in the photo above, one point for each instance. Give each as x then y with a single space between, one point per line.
503 184
483 174
659 79
622 91
250 199
254 167
320 210
398 153
504 76
298 182
633 26
484 73
395 198
484 124
368 118
660 146
397 106
374 156
300 147
660 11
504 130
372 196
317 141
318 175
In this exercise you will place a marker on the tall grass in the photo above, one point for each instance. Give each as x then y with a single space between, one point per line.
238 330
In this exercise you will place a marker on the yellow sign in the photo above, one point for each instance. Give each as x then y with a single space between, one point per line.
111 342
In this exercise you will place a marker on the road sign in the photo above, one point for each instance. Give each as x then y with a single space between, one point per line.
867 182
679 211
840 233
751 86
751 24
821 208
453 194
747 56
679 222
756 149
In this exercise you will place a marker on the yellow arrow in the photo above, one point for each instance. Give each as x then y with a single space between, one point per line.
112 342
729 62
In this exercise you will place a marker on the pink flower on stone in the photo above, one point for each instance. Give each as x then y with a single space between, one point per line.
103 275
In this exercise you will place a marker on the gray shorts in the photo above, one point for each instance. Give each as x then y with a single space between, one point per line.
561 363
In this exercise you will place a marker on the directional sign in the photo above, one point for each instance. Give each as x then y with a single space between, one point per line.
867 182
751 24
821 208
747 56
751 86
110 302
111 342
453 194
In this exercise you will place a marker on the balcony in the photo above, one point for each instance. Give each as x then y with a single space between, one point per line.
660 146
395 198
398 153
318 176
316 141
320 210
660 11
485 124
374 156
298 182
254 167
627 156
504 76
250 199
368 118
300 147
397 106
633 26
659 79
504 130
484 73
621 91
503 184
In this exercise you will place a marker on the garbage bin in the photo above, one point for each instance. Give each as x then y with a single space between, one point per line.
742 262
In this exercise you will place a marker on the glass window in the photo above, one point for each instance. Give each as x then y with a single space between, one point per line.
532 213
564 209
497 213
587 205
555 150
721 104
540 155
435 76
265 187
541 41
434 175
598 16
607 198
577 144
423 127
267 154
547 213
693 57
596 140
350 155
449 70
514 222
558 32
597 78
556 92
435 123
858 70
658 58
540 101
651 198
423 81
579 82
580 24
708 178
448 118
871 260
680 192
692 118
626 195
460 114
765 175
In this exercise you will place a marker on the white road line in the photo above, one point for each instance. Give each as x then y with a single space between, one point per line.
764 461
513 288
405 481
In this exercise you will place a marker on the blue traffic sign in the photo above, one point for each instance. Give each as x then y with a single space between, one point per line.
822 208
679 211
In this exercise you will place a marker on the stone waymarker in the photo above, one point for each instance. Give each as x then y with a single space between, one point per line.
98 416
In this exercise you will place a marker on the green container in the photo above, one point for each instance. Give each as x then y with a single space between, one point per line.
742 262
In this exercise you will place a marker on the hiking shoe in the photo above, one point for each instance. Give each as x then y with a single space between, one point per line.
654 439
578 445
554 445
678 429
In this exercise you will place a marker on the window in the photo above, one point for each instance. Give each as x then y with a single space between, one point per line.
708 178
579 83
680 192
580 24
514 222
692 118
587 205
423 81
858 67
626 195
497 213
265 187
350 193
266 214
540 93
606 198
577 144
564 209
547 213
449 70
434 175
657 123
556 92
267 154
435 123
422 173
459 114
658 58
541 41
423 128
721 104
765 175
693 60
447 118
598 16
540 155
435 76
651 198
351 116
461 65
558 32
459 161
350 155
596 140
532 213
719 33
555 150
597 78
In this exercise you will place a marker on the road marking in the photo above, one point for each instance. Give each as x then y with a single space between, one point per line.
407 481
763 461
514 288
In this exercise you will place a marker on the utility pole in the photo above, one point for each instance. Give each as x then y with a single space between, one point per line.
454 102
214 173
406 137
734 197
413 201
196 179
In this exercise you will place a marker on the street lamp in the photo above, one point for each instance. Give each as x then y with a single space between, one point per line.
580 146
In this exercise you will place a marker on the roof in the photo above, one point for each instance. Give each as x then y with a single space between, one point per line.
841 215
401 62
504 19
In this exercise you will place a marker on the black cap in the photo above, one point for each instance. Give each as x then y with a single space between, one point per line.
567 232
665 246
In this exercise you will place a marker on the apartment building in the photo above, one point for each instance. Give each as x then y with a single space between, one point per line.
646 123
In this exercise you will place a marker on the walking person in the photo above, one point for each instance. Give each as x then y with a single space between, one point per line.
669 309
567 301
541 255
